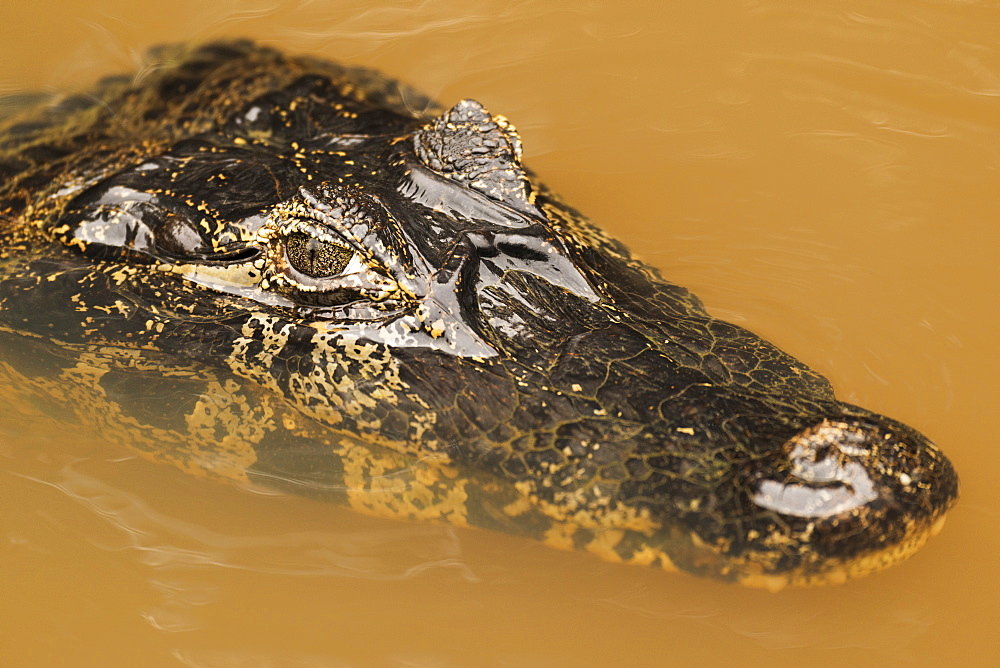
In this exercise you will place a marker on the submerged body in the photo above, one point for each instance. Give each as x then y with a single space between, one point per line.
287 271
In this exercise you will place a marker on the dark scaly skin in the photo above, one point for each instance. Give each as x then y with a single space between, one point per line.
470 349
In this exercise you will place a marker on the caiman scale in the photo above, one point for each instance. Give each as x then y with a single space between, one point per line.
286 271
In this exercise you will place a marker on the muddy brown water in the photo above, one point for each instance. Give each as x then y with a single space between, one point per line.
826 174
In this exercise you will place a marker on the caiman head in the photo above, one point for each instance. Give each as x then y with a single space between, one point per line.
397 315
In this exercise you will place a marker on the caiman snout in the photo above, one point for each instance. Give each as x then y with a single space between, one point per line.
853 496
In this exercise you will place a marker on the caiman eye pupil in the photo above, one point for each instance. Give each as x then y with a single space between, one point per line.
316 258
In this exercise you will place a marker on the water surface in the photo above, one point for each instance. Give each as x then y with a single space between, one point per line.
825 174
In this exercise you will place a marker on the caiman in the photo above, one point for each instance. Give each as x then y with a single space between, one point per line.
306 275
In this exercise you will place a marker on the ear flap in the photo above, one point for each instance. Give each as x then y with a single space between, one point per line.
480 151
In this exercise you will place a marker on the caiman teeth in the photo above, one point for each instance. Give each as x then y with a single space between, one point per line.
836 576
938 525
772 583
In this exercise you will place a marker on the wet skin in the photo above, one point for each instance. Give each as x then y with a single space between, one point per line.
282 270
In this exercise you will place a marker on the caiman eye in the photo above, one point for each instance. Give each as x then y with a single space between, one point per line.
329 248
316 258
314 266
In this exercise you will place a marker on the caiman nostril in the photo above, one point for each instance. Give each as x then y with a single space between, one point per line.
826 473
850 495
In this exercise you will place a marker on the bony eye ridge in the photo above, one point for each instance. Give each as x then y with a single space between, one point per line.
316 258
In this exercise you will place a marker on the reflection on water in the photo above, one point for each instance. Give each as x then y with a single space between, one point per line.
163 541
824 174
180 551
198 558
